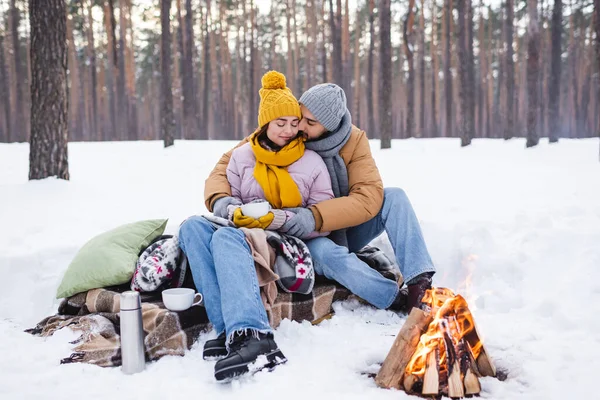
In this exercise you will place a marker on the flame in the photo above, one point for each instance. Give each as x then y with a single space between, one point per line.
452 322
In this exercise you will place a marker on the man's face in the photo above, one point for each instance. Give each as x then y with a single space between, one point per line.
310 127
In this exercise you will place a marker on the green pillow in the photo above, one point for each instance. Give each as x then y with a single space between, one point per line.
109 258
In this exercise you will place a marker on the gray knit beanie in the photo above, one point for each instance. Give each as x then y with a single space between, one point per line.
327 102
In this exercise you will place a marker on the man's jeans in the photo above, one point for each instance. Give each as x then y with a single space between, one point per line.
339 263
223 270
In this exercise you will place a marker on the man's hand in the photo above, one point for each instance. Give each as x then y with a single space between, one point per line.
243 221
300 225
220 206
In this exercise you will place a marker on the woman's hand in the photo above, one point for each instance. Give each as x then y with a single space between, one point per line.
243 221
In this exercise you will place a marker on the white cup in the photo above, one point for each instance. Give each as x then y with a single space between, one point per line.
256 210
180 299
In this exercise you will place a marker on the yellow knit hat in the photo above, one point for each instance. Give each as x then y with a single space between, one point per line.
276 100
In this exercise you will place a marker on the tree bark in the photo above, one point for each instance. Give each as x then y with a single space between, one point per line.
356 93
465 89
49 105
370 87
189 94
447 71
435 72
336 42
324 44
19 128
110 67
409 20
166 94
385 73
253 109
94 80
206 77
555 74
422 128
597 29
121 94
5 92
533 63
510 72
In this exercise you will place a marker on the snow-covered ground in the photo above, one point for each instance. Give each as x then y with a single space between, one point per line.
524 224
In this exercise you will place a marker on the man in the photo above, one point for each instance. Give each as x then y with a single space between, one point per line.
361 211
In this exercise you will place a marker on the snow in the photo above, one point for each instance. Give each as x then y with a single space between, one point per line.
523 223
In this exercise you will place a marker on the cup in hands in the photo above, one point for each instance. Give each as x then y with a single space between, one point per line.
257 209
180 299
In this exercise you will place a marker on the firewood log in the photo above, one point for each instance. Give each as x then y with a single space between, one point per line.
431 379
391 372
472 385
455 383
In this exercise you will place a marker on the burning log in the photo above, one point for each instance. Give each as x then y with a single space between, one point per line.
431 379
446 359
392 370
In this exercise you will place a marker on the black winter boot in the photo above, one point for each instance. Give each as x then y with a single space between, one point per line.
399 303
417 288
244 352
215 349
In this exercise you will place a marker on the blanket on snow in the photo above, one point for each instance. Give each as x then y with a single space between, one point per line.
95 315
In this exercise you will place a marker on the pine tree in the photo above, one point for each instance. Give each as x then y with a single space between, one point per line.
49 104
166 95
533 65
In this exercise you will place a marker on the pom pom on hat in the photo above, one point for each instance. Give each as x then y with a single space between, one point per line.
273 80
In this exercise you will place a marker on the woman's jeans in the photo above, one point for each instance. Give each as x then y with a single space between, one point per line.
223 269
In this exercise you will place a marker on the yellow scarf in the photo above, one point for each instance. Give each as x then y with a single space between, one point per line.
272 175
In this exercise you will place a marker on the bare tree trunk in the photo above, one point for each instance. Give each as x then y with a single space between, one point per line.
356 116
190 117
422 127
336 42
409 20
18 129
94 80
290 48
533 62
297 78
370 87
311 46
5 92
447 72
253 109
324 44
597 29
555 74
385 73
132 105
435 72
166 94
121 94
465 89
49 104
482 76
75 85
110 67
206 87
510 72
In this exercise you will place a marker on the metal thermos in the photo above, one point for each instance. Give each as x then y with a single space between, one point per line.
132 333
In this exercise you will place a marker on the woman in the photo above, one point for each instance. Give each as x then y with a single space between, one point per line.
272 166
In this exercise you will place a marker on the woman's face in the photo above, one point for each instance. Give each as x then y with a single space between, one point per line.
283 130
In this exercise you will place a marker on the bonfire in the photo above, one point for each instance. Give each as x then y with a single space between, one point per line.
438 351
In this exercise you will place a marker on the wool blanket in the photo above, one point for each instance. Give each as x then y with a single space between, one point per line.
95 316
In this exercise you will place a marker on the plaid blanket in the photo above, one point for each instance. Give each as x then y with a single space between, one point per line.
95 315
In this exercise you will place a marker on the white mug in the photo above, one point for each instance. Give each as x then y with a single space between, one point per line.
179 299
257 209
